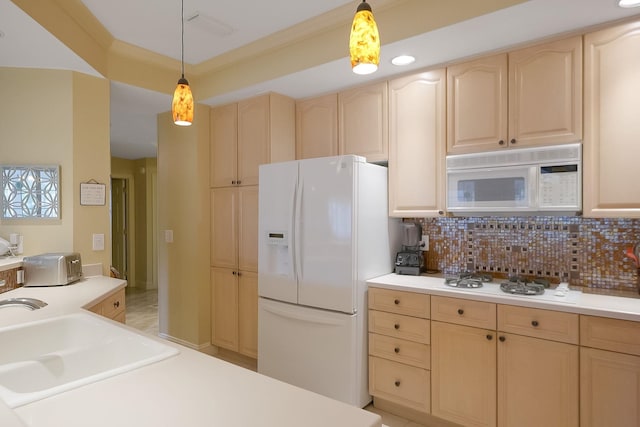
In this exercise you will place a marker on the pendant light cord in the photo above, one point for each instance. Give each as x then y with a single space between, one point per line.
182 38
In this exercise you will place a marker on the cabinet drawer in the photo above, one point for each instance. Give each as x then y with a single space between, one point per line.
622 336
399 326
533 322
464 312
113 304
409 303
399 350
402 384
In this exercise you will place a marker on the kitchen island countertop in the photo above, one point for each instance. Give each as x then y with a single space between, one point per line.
575 301
190 389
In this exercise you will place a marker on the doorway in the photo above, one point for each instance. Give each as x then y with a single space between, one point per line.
119 226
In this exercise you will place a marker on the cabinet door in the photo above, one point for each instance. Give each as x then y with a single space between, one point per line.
477 105
545 93
417 145
224 249
463 374
253 138
609 389
248 228
363 122
317 127
224 308
248 313
611 149
223 150
537 382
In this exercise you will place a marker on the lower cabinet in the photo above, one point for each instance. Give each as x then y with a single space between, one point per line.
463 366
537 382
112 306
609 372
234 302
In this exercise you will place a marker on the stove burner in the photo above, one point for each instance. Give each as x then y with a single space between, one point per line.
468 280
521 286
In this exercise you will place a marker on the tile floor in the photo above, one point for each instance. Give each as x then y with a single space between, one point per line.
142 314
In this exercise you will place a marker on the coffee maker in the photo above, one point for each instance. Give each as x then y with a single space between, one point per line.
409 260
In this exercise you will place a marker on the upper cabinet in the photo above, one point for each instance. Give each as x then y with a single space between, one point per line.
249 133
417 123
532 96
611 147
477 105
317 127
363 122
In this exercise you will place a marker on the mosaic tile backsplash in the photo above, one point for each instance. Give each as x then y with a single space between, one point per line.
586 252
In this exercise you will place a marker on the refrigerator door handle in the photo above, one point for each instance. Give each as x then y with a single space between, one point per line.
296 235
292 234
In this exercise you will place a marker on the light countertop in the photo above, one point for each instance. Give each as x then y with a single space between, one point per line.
574 302
190 389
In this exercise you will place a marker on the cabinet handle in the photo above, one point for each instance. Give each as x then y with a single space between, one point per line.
234 273
239 274
502 338
501 142
240 182
397 350
460 311
440 212
513 140
534 323
397 383
489 337
396 302
116 304
397 326
233 182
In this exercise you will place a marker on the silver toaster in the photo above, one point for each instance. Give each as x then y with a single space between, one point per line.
52 269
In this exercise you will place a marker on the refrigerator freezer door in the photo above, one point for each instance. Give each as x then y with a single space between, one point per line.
276 231
313 349
325 238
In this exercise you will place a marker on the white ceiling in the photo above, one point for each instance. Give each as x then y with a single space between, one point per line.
232 24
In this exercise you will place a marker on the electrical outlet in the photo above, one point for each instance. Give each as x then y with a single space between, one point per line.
424 243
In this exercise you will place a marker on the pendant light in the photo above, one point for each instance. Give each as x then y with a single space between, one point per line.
182 105
364 42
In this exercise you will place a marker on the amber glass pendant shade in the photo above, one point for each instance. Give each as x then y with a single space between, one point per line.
182 105
364 42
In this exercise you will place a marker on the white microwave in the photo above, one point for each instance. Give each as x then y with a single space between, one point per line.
524 181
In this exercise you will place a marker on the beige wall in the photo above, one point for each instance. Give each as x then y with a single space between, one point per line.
183 207
61 118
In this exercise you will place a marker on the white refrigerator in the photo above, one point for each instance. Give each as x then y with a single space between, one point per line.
323 231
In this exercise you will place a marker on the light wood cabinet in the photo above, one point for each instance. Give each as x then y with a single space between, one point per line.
363 117
463 374
609 372
532 373
399 351
537 382
477 105
609 389
527 97
317 127
249 133
417 145
234 228
234 258
611 149
112 306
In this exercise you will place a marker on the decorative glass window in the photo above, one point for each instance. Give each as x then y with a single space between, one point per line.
30 192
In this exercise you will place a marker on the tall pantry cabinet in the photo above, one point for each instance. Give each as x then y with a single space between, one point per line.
244 135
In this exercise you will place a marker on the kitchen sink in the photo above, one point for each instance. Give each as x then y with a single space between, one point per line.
43 358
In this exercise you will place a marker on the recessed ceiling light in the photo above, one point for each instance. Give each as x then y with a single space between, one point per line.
628 3
405 59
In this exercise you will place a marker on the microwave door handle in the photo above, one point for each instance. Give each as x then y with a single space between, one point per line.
534 186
